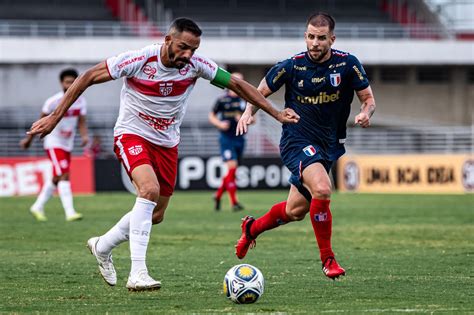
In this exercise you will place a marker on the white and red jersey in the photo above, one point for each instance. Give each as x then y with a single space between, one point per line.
63 134
154 98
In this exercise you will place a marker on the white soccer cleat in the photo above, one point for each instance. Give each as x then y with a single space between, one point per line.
106 265
142 282
38 214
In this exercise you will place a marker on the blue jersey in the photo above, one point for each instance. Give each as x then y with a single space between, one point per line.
228 108
321 94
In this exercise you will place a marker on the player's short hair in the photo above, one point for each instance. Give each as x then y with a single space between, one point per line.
322 19
185 25
68 73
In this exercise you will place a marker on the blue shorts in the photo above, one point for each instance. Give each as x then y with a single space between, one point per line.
297 159
232 148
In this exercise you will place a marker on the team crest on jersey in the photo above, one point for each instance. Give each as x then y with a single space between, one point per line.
309 150
166 88
335 79
135 150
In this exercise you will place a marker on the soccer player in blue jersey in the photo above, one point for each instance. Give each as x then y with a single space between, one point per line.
319 86
224 116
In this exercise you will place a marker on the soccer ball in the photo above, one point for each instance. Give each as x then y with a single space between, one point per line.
243 284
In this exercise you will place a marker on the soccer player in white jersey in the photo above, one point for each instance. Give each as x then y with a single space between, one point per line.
157 82
58 146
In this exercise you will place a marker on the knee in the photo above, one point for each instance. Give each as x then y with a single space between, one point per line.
149 191
322 191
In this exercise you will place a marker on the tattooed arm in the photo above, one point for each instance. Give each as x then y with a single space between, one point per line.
367 109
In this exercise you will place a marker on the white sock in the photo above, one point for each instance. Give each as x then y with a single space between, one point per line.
140 228
115 236
46 193
65 193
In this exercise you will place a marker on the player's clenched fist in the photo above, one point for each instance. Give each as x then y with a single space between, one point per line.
288 116
362 119
43 126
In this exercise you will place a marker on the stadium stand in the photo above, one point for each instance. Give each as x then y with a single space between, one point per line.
365 19
71 10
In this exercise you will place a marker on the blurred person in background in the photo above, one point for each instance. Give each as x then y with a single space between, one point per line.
94 149
319 86
58 146
224 116
158 80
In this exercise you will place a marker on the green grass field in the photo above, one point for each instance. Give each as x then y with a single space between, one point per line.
402 253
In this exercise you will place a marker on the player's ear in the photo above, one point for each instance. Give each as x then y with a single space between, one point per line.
168 39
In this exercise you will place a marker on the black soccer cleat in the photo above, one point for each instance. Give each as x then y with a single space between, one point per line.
237 207
217 203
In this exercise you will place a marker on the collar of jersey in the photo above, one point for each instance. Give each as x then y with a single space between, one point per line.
311 62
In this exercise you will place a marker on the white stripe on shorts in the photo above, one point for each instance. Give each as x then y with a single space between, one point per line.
122 153
54 159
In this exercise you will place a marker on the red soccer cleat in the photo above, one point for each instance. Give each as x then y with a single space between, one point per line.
245 241
331 268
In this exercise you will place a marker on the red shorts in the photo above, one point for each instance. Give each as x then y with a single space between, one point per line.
133 150
61 160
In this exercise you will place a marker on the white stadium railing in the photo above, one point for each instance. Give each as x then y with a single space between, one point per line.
25 28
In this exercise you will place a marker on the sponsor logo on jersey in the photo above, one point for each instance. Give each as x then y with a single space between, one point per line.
309 150
337 65
135 150
166 88
300 68
335 79
129 61
65 133
318 80
278 76
322 98
149 71
320 217
359 74
155 122
184 70
199 59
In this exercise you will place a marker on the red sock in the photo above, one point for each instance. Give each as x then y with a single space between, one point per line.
321 219
221 188
270 220
231 186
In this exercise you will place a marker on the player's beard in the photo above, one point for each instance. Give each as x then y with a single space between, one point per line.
172 58
323 53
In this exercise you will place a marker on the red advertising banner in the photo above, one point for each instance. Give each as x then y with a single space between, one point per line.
20 176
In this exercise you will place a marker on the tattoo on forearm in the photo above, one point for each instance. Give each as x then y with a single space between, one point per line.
369 108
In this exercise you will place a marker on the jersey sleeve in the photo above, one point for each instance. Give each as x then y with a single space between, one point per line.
129 63
84 107
278 75
357 75
205 67
48 106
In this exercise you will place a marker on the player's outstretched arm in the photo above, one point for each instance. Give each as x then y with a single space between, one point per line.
96 74
248 116
251 95
367 109
83 130
25 143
